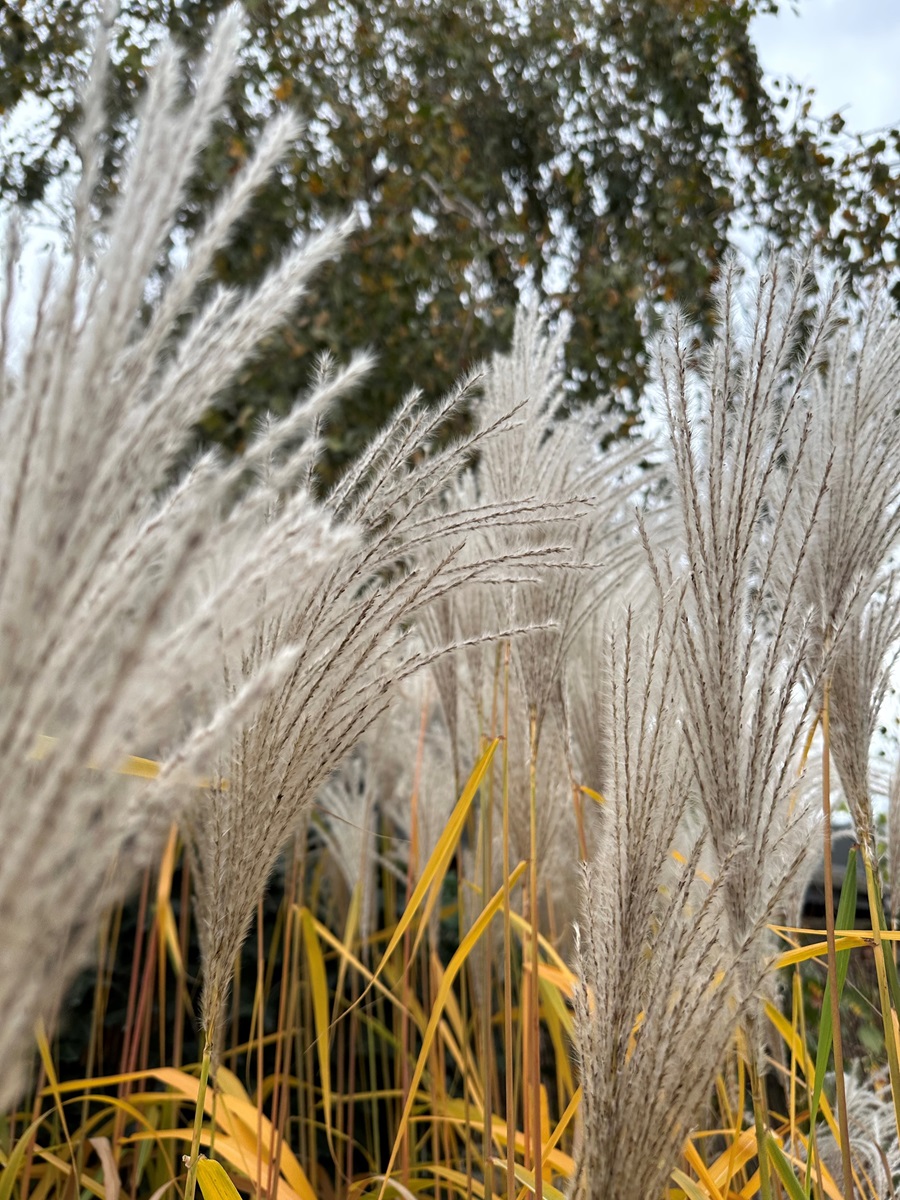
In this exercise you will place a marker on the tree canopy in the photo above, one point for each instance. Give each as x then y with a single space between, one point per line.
604 153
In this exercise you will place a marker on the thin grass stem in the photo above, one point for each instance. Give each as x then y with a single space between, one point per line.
507 945
193 1161
843 1121
761 1123
888 1014
534 1039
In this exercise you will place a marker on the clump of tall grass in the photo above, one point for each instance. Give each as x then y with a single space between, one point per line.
849 580
114 595
849 575
652 714
111 639
779 440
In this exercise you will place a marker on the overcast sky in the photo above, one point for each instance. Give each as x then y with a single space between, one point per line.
848 50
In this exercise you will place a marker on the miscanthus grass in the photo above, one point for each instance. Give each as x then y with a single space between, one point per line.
114 593
653 954
111 636
483 690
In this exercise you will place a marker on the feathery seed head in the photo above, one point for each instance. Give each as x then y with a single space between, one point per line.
114 592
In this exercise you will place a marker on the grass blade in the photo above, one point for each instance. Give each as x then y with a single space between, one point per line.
845 919
783 1168
214 1182
453 968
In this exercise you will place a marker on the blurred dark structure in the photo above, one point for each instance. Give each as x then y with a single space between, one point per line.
813 911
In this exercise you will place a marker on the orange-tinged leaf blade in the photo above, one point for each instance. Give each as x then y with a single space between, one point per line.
819 949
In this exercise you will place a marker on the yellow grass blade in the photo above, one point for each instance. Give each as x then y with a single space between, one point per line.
229 1085
732 1159
694 1159
463 1183
563 980
65 1168
752 1188
452 1035
437 864
597 797
351 926
358 965
526 1178
142 768
548 1148
213 1181
546 1173
16 1157
138 768
850 941
53 1083
453 968
78 1085
525 931
688 1186
867 935
562 1163
164 914
318 981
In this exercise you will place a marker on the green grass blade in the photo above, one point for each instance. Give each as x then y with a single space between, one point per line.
845 919
783 1168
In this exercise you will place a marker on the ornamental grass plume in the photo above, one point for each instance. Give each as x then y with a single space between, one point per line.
849 580
585 703
351 627
859 676
118 588
583 491
657 1002
849 576
561 460
742 639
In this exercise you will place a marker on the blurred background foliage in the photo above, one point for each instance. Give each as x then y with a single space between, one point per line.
603 152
